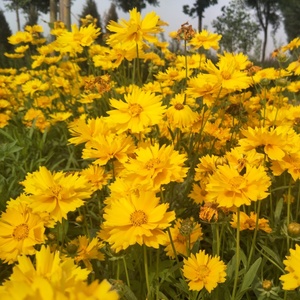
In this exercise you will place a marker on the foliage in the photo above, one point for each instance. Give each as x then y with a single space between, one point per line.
290 15
267 13
239 32
198 9
139 4
5 33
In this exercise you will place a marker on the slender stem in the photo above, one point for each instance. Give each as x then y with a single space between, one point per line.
254 235
126 271
237 255
146 270
157 273
288 214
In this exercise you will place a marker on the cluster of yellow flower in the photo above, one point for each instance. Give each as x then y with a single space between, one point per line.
218 135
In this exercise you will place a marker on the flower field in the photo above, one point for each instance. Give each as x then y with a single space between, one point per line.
131 171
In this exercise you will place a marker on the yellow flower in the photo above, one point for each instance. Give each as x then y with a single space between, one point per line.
136 219
206 40
48 278
135 31
249 222
108 147
96 176
276 142
184 235
4 118
74 41
35 117
83 131
33 86
179 114
83 249
94 291
229 72
20 231
57 193
139 111
20 37
229 188
154 166
291 280
204 271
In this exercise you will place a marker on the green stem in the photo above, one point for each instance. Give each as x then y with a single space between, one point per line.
237 255
254 235
126 271
288 214
146 270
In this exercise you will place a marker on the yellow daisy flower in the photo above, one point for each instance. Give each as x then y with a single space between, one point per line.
204 271
229 188
139 111
136 219
249 222
179 114
291 281
57 193
205 39
156 165
20 231
136 30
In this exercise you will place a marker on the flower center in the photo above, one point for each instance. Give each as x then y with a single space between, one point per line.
135 109
237 182
151 163
138 218
56 191
181 239
179 106
21 232
226 75
202 272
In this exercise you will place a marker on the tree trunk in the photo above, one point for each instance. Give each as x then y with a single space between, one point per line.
18 17
264 48
67 14
200 23
53 12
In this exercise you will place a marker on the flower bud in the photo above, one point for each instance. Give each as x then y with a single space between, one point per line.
294 230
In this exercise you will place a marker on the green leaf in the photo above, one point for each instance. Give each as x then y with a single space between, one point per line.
250 275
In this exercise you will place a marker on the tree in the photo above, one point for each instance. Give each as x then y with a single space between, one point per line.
30 7
198 9
267 13
90 8
291 20
126 5
5 46
239 32
111 15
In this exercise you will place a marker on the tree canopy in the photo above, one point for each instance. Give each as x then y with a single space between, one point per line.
198 9
238 30
291 20
267 13
126 5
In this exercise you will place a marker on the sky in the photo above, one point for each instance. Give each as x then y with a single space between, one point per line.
168 11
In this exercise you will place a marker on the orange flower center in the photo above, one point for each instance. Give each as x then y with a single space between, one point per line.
202 272
56 191
151 163
181 239
21 232
135 109
226 75
179 106
138 218
237 182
